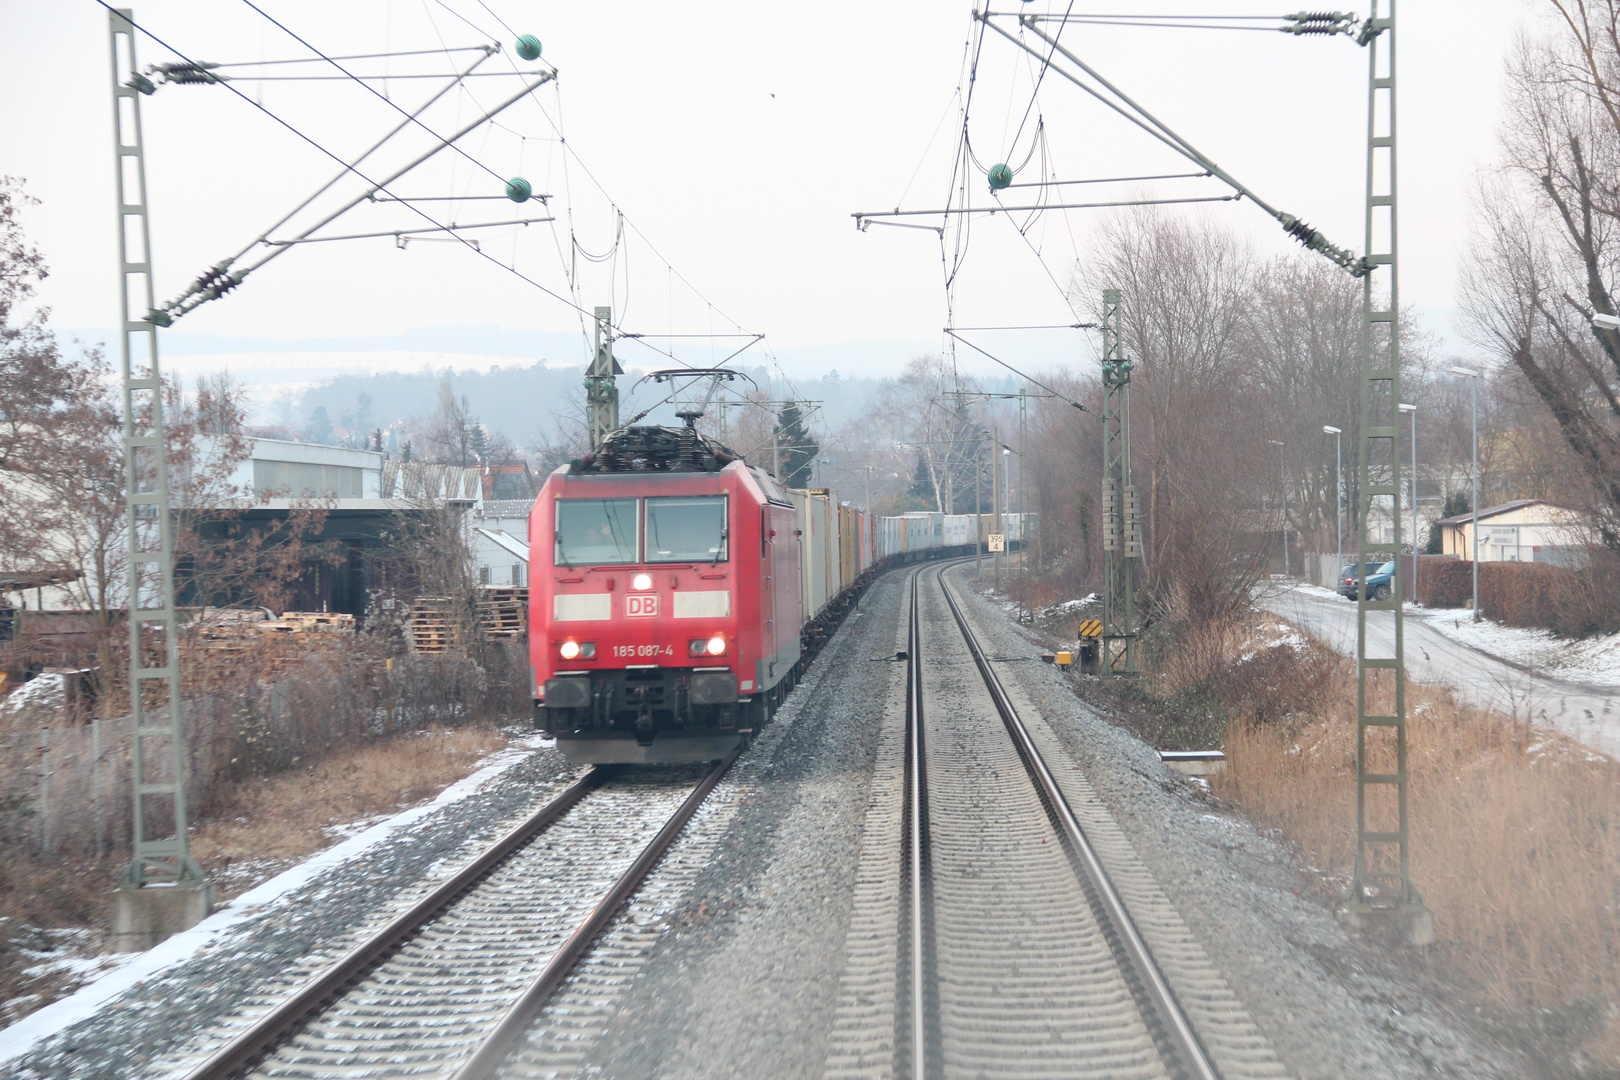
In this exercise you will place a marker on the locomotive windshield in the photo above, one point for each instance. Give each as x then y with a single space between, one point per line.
596 531
686 530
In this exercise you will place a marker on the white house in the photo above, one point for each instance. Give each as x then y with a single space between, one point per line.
309 470
1525 530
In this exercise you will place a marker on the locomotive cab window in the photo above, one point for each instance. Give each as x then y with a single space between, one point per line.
686 529
595 532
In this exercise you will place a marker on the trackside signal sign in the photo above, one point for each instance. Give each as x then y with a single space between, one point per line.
1091 628
641 605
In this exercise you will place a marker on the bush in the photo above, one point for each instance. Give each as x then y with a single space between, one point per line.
1569 602
1444 582
1528 595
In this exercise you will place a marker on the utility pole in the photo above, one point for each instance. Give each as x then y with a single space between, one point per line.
1381 889
1282 482
144 916
1023 517
601 392
1122 539
995 505
1338 500
978 522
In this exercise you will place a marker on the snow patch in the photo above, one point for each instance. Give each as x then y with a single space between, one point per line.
1587 660
135 968
43 693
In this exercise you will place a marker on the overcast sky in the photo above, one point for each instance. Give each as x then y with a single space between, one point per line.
736 139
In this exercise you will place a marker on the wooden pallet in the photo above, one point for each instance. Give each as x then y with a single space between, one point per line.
503 611
433 629
318 622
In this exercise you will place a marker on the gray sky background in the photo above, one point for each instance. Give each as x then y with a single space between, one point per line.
736 139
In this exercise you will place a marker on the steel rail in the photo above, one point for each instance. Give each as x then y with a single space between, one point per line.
916 815
274 1027
498 1043
1193 1057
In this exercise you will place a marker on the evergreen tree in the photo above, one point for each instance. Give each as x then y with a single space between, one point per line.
1456 503
320 425
798 450
922 485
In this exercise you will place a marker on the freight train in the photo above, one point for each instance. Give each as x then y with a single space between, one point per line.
686 591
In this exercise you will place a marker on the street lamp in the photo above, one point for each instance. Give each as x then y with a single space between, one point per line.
1287 572
1473 377
1411 588
1606 322
1338 494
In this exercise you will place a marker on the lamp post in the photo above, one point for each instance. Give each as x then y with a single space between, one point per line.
1411 588
1283 480
1473 381
1338 495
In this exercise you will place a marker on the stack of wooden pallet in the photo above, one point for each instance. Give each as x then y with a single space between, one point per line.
311 622
434 627
503 611
230 630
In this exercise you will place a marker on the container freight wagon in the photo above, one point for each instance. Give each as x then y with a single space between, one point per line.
855 544
958 530
818 547
924 531
891 537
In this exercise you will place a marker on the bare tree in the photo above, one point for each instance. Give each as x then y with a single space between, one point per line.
1202 462
454 435
1545 252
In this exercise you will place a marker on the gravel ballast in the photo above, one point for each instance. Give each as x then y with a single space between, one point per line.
1330 1003
752 949
271 951
746 980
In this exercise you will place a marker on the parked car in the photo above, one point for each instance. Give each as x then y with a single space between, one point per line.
1380 580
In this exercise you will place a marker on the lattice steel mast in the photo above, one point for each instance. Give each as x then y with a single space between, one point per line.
1382 886
154 664
1122 538
601 392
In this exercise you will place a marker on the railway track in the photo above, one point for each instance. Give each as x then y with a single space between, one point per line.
448 987
1019 954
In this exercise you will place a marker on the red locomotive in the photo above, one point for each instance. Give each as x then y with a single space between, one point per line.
667 623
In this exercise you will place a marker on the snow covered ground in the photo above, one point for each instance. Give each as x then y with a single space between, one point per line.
1527 674
122 972
1590 660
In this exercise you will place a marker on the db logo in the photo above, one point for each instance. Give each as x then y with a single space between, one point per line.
640 606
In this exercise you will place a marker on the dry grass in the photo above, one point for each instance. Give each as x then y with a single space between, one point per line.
52 909
1515 836
267 823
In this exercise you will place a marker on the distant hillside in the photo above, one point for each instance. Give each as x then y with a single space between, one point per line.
520 401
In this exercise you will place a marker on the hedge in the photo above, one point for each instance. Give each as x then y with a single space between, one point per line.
1570 603
1444 582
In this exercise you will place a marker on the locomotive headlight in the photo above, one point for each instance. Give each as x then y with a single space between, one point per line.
641 582
569 650
714 646
583 650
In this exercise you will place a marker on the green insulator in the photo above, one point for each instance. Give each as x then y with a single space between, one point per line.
518 189
1000 176
528 47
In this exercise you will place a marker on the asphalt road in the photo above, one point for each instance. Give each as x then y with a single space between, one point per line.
1589 713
